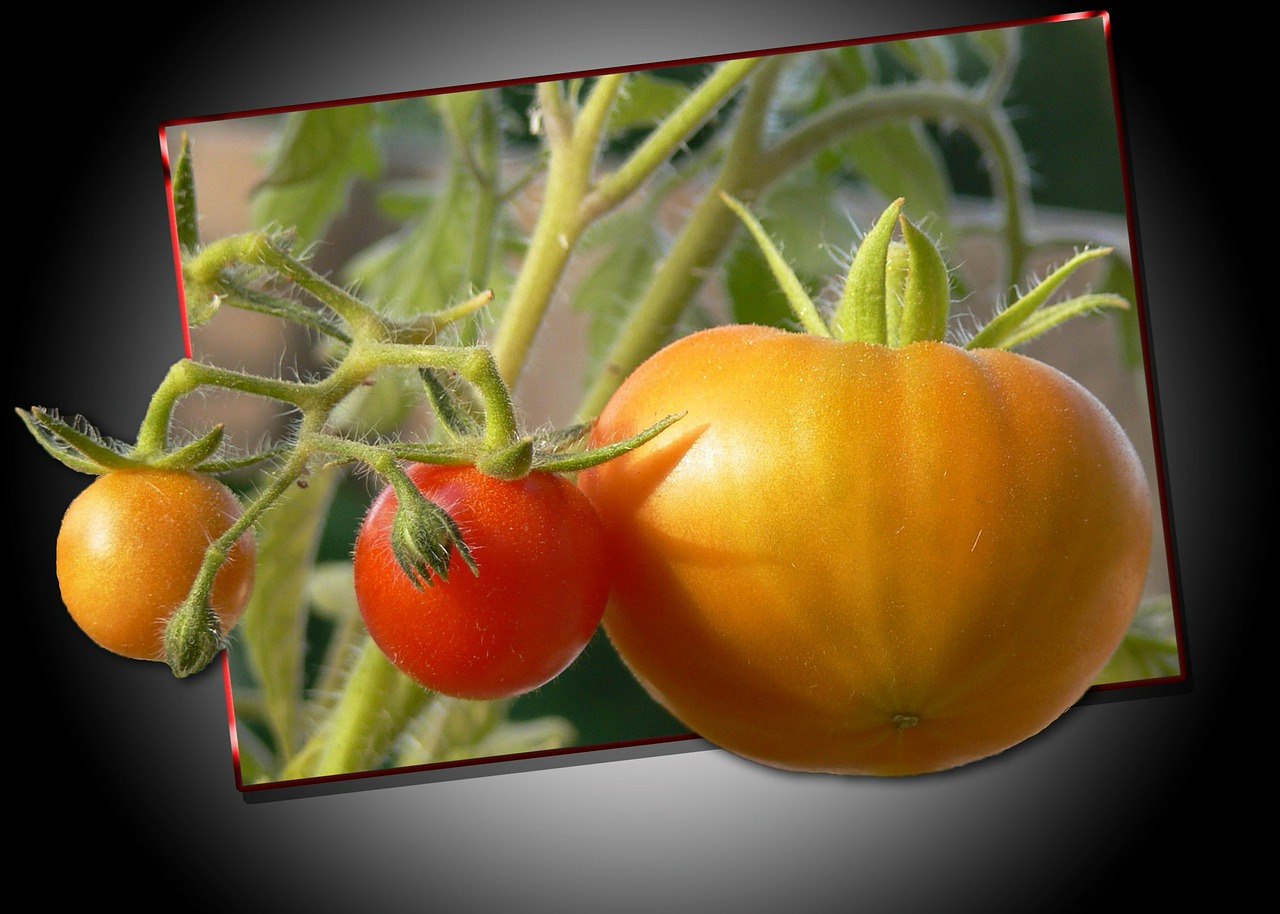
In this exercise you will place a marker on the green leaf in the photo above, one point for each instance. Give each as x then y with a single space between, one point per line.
422 267
76 444
754 296
321 153
645 101
901 160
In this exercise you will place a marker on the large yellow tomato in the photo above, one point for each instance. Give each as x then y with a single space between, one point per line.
856 559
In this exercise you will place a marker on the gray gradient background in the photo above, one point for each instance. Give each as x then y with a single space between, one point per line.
126 771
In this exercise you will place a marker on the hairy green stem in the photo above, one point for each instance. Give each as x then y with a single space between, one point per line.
697 246
571 203
377 702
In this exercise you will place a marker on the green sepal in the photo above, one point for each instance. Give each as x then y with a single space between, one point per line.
247 299
926 300
1008 323
448 454
1052 315
228 464
581 460
84 450
194 453
562 440
801 304
512 461
897 269
185 220
861 313
192 636
424 535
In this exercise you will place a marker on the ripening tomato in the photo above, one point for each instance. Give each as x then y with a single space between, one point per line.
130 547
522 619
858 559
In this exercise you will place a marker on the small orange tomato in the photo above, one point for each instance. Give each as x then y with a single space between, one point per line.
856 559
130 547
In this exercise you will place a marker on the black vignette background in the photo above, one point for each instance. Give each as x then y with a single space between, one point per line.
128 771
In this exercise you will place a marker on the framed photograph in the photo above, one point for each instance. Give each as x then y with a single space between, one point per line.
473 288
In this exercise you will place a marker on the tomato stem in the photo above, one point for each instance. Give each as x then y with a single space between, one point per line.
377 701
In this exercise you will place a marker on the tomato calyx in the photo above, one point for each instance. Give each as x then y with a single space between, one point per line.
478 426
193 635
423 534
79 446
897 290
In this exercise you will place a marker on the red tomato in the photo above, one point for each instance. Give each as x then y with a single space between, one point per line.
130 547
519 622
856 559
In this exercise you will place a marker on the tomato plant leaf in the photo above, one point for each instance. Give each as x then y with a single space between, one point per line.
645 100
422 267
754 296
321 152
900 160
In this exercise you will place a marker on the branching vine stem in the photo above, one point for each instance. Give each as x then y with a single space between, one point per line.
749 167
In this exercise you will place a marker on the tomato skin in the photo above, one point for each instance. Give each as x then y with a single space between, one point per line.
534 605
130 547
862 560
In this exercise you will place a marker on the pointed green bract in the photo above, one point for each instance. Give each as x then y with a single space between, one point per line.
801 304
1006 324
927 297
861 314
